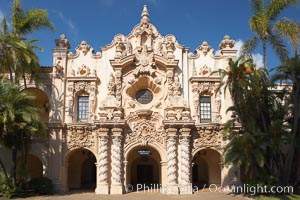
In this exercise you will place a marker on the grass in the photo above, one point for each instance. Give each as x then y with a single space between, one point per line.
279 197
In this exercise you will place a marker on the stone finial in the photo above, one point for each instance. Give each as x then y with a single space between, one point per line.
205 48
84 47
226 43
145 12
145 15
62 42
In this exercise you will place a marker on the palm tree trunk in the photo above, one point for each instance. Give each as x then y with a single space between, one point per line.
264 41
14 157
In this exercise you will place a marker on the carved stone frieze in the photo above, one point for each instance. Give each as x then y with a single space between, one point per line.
144 62
83 71
58 66
205 71
208 136
80 136
145 131
111 86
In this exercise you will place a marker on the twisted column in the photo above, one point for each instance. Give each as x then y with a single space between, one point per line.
172 161
116 154
102 165
185 182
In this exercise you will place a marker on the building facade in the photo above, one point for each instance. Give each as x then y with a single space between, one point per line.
143 111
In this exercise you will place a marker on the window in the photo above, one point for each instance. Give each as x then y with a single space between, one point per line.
83 108
144 96
205 109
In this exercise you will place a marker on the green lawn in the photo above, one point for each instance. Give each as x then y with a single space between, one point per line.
282 197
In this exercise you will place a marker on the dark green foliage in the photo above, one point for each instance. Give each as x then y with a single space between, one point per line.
41 185
8 188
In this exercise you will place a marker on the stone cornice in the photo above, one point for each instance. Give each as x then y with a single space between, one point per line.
178 123
205 79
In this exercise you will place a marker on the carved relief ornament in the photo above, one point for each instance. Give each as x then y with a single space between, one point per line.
80 136
145 131
210 136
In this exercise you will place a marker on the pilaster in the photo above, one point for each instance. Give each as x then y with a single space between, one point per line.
172 186
116 157
185 186
102 164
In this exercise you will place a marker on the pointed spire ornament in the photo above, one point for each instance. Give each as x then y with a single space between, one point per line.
145 15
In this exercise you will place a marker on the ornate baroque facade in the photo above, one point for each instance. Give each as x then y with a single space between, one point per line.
143 110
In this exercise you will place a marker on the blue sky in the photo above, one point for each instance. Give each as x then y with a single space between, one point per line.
97 21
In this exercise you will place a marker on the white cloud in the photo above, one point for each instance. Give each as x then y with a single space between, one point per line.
257 57
258 60
69 22
238 46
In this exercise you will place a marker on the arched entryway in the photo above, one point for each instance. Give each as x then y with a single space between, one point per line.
206 168
33 167
81 170
143 167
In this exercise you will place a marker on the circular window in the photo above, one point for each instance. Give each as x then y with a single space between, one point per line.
144 96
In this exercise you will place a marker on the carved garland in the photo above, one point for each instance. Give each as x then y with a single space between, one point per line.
210 136
79 136
144 131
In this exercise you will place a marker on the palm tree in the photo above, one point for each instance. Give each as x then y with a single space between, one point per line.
269 30
9 46
256 146
23 23
290 72
18 118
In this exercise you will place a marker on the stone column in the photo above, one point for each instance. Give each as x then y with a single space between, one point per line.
102 164
116 158
185 165
172 187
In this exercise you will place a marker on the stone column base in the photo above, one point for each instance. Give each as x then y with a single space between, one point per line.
186 189
170 189
116 189
102 189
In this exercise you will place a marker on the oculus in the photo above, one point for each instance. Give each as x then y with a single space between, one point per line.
144 96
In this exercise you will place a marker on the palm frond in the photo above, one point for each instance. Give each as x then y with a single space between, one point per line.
278 45
249 46
289 29
257 6
276 6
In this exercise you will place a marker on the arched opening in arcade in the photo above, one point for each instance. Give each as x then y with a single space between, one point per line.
206 168
143 168
81 170
33 167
